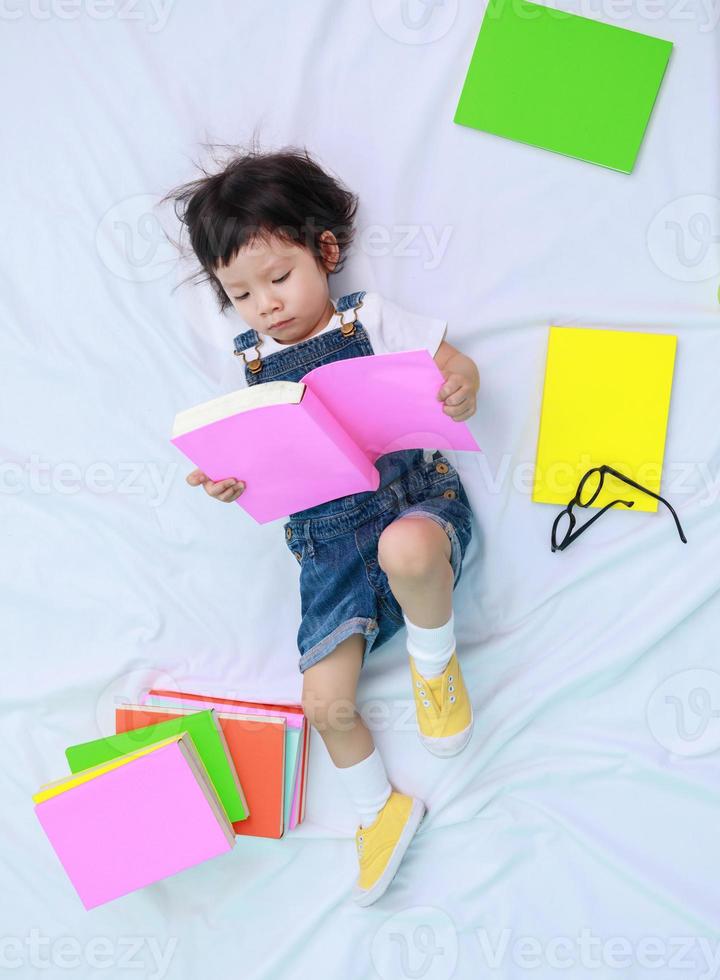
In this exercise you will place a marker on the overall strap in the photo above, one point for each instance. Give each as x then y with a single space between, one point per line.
244 340
351 299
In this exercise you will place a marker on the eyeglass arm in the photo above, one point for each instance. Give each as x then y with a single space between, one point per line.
657 496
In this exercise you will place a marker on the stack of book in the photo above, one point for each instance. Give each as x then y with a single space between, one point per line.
183 775
269 745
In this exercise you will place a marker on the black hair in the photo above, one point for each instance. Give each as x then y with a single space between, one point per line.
257 194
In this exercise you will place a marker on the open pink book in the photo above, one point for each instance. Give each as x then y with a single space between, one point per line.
298 444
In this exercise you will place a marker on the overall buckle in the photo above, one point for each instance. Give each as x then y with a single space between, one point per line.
255 364
347 329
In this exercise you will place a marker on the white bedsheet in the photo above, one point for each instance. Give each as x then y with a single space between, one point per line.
584 813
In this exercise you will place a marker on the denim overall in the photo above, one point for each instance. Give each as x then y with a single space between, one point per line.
343 590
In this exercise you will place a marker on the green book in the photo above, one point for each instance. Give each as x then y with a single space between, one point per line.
206 735
562 82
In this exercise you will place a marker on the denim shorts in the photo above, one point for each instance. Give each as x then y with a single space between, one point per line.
343 590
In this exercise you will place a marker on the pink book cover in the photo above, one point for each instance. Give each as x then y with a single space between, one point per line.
300 815
294 456
292 713
114 834
297 810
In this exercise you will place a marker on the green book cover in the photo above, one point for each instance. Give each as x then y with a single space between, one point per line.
562 82
202 727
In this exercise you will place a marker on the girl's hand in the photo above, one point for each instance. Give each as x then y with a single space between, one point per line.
459 395
226 490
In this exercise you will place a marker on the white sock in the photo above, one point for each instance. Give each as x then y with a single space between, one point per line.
432 648
368 786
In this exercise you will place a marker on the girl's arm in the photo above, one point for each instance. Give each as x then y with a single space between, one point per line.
462 380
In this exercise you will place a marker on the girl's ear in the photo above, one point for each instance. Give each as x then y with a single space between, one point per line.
330 250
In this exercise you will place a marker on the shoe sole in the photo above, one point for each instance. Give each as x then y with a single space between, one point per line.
366 896
444 751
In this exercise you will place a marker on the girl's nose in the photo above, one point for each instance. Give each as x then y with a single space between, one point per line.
266 307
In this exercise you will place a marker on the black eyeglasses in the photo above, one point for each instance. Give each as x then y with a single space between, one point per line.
587 491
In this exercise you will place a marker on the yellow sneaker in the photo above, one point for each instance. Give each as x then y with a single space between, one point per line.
381 846
443 709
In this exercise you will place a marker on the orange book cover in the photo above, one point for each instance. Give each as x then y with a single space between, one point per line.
257 747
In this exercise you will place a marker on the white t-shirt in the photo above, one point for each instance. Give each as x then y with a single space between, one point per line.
390 329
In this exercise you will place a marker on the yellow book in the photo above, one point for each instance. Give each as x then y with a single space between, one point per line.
606 399
60 785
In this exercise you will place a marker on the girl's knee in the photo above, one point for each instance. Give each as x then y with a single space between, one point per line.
413 547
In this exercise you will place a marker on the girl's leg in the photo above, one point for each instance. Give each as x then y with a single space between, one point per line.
415 555
388 819
414 552
328 701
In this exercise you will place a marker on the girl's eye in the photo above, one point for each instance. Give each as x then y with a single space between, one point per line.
281 279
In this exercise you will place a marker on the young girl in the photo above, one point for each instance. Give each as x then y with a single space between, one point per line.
268 231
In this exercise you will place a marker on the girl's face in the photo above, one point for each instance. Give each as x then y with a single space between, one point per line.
281 281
